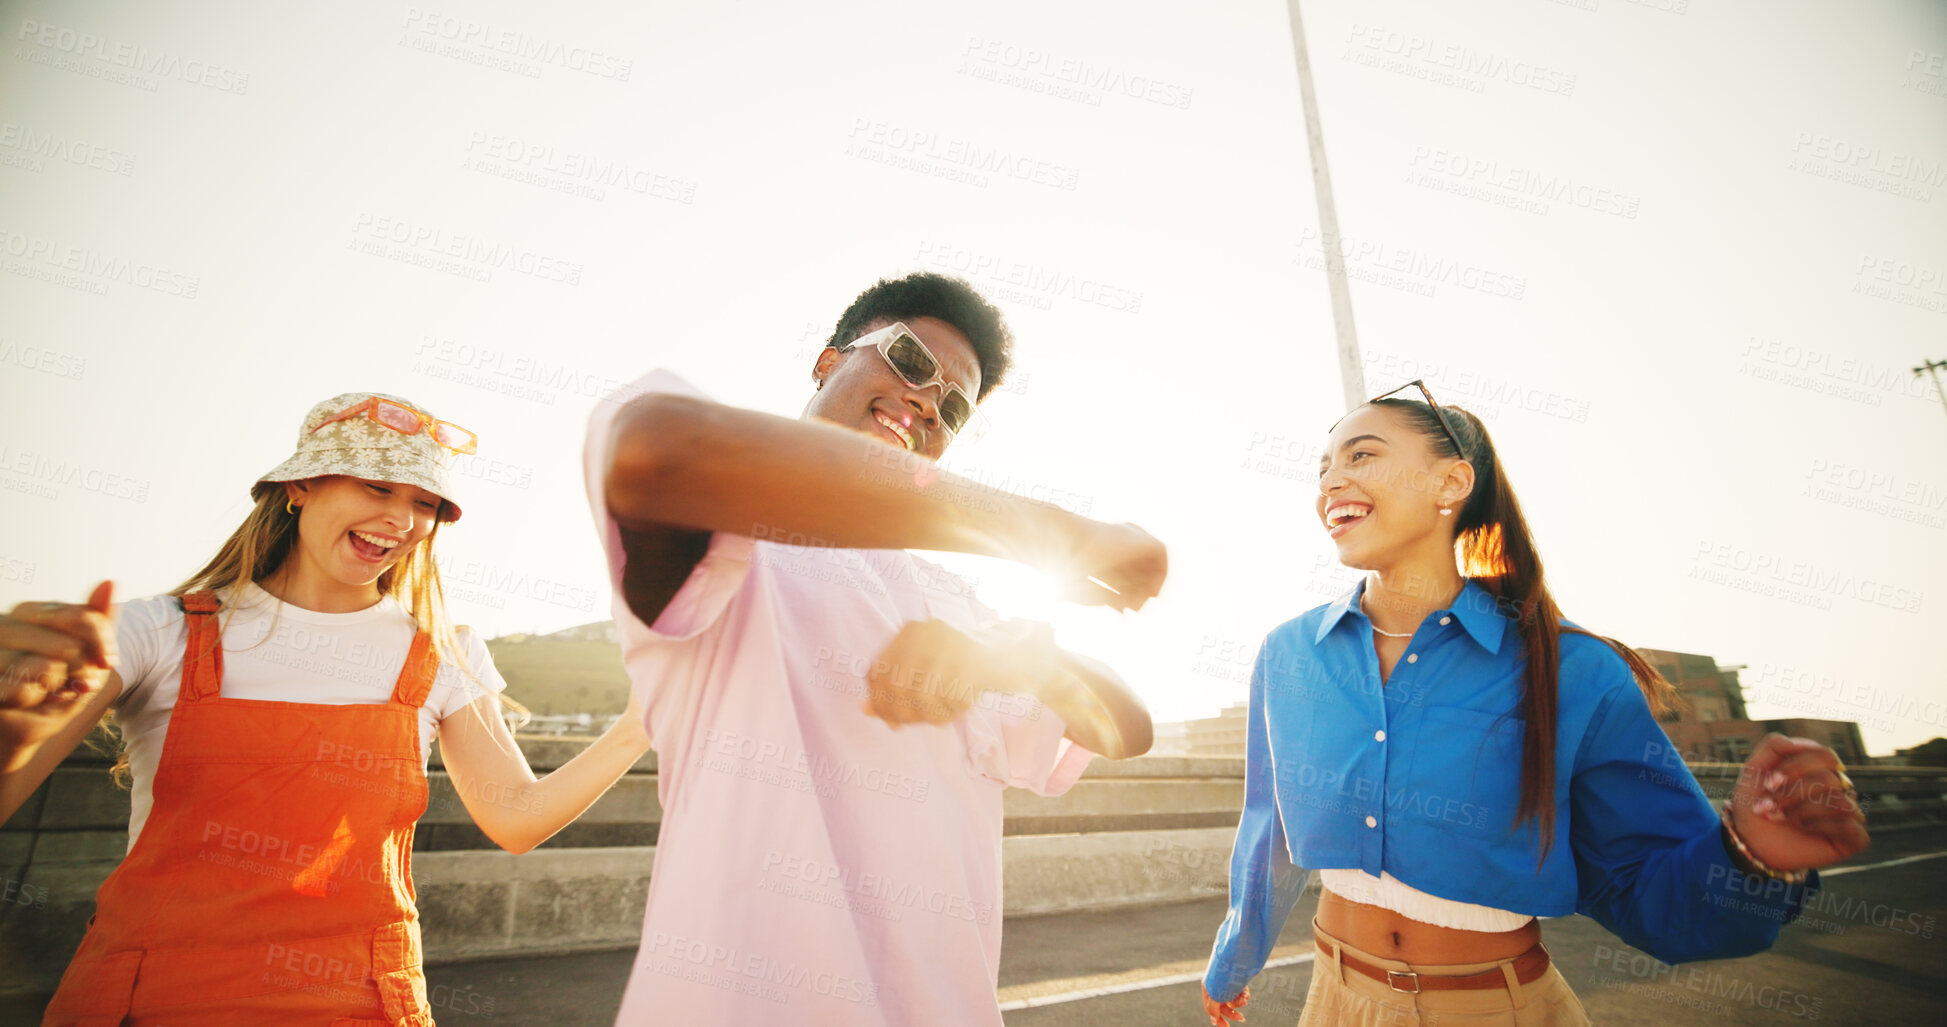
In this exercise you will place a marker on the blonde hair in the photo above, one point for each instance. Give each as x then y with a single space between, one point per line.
258 549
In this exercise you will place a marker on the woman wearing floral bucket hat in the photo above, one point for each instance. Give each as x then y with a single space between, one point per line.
278 709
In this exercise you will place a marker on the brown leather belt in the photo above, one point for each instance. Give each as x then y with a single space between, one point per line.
1528 967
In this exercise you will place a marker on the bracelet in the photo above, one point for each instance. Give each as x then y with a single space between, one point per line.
1787 876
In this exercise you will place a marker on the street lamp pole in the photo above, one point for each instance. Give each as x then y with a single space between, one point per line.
1351 369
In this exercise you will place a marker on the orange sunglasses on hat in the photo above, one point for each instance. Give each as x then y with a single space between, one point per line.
404 419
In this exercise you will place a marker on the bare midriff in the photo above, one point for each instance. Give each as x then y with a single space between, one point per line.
1383 932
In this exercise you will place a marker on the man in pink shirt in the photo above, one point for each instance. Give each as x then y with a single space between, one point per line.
835 719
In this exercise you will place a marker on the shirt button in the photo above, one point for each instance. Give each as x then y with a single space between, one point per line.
1412 657
1444 621
1379 736
1372 822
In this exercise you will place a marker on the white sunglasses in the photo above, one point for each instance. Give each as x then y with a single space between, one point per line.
918 367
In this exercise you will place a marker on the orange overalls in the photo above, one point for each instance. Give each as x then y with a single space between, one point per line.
272 883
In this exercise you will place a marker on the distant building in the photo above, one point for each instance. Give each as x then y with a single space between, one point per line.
1931 753
1717 728
1731 741
1712 691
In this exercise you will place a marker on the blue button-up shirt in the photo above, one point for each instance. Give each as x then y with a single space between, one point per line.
1420 777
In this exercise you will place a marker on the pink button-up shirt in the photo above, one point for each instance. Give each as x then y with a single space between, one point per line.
815 865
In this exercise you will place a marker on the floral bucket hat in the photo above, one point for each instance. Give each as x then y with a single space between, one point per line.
384 438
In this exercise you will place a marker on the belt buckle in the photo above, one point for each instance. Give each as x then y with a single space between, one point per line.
1409 974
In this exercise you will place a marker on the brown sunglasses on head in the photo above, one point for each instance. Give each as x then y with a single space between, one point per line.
1419 383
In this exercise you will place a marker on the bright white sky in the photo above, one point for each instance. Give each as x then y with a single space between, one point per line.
1682 261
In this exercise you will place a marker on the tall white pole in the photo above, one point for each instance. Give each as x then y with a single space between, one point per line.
1351 369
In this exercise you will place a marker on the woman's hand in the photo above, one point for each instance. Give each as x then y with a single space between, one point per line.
1794 806
53 657
1222 1014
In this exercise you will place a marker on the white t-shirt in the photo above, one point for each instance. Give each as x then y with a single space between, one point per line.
281 653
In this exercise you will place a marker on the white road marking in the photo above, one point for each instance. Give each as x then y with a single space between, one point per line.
1139 984
1876 866
1169 979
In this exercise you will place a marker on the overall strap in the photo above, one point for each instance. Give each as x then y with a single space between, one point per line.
416 677
203 653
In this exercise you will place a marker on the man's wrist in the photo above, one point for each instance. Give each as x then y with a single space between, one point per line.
1040 535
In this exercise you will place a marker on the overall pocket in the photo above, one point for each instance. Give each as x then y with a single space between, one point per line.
397 970
95 992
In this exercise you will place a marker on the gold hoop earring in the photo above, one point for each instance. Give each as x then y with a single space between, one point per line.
288 508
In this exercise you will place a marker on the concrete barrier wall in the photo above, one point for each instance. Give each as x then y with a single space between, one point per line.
1142 831
1066 873
476 904
78 814
1146 830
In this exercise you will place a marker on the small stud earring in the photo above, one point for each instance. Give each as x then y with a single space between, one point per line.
1446 511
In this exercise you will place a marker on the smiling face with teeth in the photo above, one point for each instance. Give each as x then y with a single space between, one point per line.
862 392
1380 490
352 530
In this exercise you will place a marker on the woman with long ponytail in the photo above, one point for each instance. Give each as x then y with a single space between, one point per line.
1456 760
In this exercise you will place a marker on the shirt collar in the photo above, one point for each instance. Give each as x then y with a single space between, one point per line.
1477 610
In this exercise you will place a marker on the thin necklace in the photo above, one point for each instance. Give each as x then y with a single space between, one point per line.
1399 634
1377 628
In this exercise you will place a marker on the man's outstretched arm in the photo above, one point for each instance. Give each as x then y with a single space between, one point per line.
681 466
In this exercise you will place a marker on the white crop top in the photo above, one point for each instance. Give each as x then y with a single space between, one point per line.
1389 892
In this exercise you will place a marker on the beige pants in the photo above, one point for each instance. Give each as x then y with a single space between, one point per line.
1341 997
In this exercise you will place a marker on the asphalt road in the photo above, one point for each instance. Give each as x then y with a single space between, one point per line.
1872 950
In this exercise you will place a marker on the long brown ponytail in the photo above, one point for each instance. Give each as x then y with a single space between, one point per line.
1492 545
